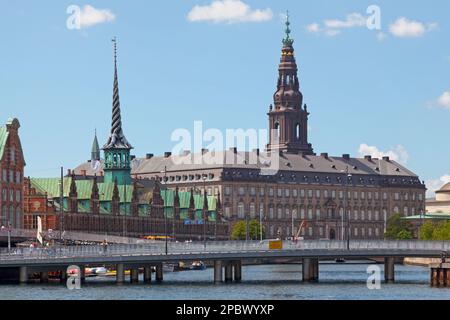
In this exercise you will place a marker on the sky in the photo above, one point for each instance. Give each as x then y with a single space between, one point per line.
383 90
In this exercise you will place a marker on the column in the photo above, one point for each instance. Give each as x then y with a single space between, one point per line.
228 272
306 269
147 274
159 272
315 269
63 276
120 276
217 271
23 275
134 276
389 269
237 271
44 277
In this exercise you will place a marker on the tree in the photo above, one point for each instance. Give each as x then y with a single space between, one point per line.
426 231
239 230
397 228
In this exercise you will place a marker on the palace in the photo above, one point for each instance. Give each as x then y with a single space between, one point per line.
334 197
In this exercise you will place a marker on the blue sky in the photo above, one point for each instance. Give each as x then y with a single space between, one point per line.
378 91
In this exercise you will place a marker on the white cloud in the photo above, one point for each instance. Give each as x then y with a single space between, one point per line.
90 16
398 153
442 102
404 28
333 27
228 11
435 184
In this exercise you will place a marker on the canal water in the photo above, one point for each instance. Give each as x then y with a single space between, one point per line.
270 282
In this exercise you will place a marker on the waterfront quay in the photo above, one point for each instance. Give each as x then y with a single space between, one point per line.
227 257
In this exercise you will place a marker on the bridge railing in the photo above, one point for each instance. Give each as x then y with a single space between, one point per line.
159 248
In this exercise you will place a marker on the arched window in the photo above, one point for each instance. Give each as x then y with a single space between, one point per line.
277 128
241 211
252 210
297 131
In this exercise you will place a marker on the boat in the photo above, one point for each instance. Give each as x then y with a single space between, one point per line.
198 265
340 260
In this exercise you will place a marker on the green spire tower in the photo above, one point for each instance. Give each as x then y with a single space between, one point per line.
288 42
117 165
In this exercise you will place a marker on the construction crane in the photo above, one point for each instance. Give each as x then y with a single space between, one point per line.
302 225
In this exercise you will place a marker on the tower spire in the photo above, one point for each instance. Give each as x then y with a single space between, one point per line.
117 138
95 151
288 42
287 117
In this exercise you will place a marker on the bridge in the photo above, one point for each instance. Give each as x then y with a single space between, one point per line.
226 256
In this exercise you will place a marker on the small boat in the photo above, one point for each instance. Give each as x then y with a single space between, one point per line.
198 265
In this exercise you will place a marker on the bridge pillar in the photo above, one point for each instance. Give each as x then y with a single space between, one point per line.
159 272
23 275
134 275
310 269
44 277
63 276
389 269
147 274
217 271
237 270
228 272
120 273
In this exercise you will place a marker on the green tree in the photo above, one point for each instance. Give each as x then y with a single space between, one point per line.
239 230
441 231
397 228
426 231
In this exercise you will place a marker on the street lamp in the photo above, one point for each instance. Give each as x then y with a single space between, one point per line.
347 176
165 216
204 177
9 235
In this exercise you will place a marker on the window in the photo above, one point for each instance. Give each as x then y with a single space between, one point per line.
294 213
287 193
13 155
396 196
270 192
261 192
4 194
363 215
227 212
377 215
317 194
321 232
288 213
302 213
405 211
253 191
406 196
241 191
279 192
363 232
310 213
377 195
341 194
261 210
384 196
369 195
325 194
369 215
18 196
355 195
295 193
356 214
356 232
227 191
333 194
252 210
5 175
302 193
310 193
420 196
280 213
318 214
310 231
363 195
241 210
370 232
297 131
377 232
271 213
11 195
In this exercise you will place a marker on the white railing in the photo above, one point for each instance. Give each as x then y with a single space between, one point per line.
159 248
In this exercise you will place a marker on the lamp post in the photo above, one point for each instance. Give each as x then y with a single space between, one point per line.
8 229
260 224
204 177
347 176
61 209
165 216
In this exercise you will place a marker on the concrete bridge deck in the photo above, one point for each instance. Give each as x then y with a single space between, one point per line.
228 255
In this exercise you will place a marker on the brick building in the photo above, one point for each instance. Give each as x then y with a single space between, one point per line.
12 164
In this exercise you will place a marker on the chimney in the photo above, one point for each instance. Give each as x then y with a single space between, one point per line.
149 156
205 151
133 157
386 159
256 151
167 154
346 156
83 173
234 150
324 155
368 158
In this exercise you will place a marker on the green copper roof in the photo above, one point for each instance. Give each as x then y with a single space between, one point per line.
3 138
429 216
185 197
84 189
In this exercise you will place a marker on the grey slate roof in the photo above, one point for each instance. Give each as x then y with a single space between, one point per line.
287 162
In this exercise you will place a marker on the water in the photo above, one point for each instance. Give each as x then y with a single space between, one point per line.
271 282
